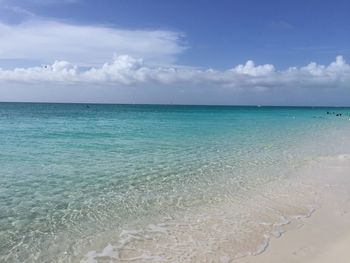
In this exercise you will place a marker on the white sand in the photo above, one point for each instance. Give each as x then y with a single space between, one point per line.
322 238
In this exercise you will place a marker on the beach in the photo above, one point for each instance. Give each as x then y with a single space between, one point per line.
324 236
158 183
314 241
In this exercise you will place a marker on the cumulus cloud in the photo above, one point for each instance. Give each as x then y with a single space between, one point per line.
129 71
85 45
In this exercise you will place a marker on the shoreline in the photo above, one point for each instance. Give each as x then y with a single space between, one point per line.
321 238
303 237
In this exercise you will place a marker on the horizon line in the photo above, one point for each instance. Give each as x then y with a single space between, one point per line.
178 104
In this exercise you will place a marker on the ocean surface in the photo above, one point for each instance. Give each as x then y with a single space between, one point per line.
151 183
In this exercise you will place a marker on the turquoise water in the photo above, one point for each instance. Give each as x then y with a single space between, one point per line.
74 177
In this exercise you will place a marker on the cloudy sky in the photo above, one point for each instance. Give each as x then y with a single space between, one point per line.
185 52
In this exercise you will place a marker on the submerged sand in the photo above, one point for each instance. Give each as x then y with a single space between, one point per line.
294 234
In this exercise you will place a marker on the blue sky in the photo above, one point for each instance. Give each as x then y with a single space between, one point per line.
145 42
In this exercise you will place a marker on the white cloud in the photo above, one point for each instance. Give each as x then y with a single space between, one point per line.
85 45
129 71
250 69
84 71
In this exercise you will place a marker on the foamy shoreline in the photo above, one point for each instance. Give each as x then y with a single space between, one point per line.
323 237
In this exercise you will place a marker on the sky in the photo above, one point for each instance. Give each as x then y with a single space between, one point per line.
242 52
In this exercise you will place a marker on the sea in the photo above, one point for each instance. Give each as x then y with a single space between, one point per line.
158 183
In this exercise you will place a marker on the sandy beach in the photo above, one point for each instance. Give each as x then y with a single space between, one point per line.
324 236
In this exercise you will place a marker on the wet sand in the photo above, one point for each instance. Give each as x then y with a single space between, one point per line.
322 238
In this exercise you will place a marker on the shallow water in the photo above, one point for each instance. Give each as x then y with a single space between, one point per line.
157 183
